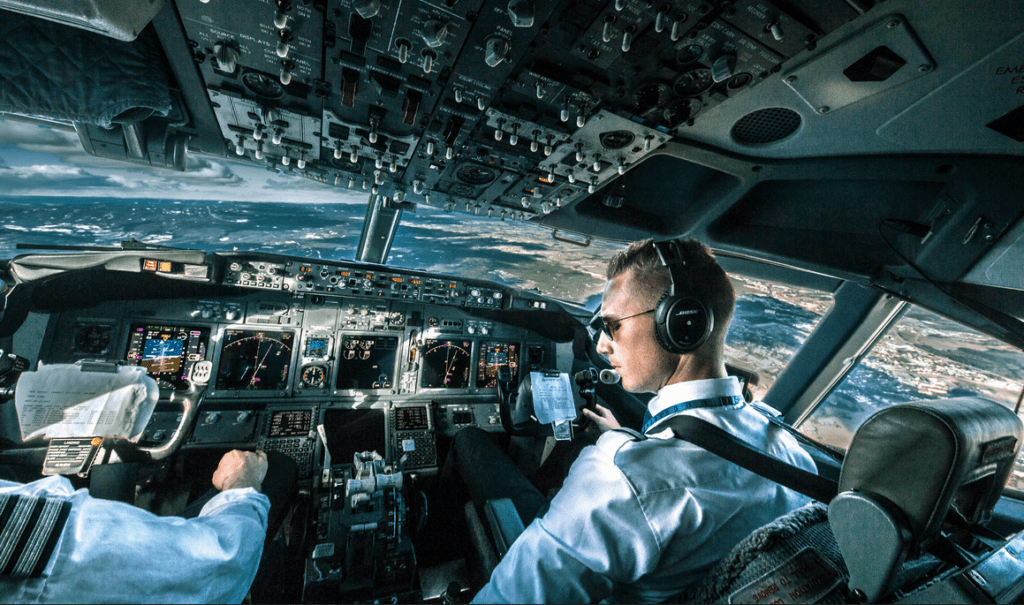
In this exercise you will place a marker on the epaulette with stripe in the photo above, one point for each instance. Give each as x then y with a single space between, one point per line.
29 530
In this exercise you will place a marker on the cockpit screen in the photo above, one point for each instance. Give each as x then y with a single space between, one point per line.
494 355
167 352
352 431
255 360
367 362
290 423
446 364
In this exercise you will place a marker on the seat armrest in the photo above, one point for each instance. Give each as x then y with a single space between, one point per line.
504 522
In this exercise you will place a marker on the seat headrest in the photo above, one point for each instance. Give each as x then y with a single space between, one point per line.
927 456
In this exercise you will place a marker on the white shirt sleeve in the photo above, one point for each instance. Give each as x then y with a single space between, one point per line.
114 552
594 535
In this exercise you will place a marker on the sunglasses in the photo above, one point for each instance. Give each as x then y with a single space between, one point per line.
610 326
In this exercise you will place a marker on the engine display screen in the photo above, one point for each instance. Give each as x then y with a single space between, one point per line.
494 355
290 423
352 431
167 352
446 364
255 360
367 362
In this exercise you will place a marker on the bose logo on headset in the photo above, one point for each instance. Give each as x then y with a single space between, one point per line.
675 334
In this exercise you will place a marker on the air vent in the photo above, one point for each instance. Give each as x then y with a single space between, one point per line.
765 126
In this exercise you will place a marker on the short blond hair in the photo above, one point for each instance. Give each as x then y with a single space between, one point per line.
704 277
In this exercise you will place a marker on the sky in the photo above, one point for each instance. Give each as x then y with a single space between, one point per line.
53 192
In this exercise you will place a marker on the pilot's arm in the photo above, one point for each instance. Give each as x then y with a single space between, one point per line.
593 536
114 552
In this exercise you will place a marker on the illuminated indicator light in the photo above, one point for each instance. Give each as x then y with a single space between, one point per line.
397 279
343 273
305 269
164 267
416 281
369 276
96 441
149 265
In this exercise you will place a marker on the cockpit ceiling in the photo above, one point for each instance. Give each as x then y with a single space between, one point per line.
854 139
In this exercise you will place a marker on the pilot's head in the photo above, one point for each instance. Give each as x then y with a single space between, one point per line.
636 281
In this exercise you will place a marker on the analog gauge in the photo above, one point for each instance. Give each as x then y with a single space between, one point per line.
689 54
396 318
314 376
93 340
693 82
263 85
678 111
476 174
617 139
648 96
255 360
433 322
446 364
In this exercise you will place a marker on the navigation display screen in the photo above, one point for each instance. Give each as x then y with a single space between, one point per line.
494 355
367 362
290 423
255 360
446 364
352 431
167 352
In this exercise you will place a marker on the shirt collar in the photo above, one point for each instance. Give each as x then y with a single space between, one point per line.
681 392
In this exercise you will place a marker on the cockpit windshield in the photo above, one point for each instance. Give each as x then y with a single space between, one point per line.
56 194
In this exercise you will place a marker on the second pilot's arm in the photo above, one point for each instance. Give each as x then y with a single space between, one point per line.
114 552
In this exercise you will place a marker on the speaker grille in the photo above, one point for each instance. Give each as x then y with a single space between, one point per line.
765 126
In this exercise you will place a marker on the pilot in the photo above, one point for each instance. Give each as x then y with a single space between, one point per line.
61 545
641 516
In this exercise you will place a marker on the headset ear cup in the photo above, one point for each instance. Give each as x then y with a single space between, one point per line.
682 323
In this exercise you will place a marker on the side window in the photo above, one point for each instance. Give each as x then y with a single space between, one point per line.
924 356
770 323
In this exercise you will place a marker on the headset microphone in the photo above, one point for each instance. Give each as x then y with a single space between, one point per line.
682 322
609 377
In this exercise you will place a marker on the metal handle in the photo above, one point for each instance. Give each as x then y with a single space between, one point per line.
584 243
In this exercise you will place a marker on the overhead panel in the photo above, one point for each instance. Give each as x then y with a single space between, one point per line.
512 110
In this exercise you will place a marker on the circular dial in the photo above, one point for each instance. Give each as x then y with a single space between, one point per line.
433 322
446 364
314 376
263 85
693 82
93 340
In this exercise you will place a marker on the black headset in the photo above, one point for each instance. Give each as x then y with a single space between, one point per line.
682 321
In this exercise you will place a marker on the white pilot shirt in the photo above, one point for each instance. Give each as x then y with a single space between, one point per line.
114 552
637 521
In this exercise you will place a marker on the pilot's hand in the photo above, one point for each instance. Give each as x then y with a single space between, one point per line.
602 417
238 469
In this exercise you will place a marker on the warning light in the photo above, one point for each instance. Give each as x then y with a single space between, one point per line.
164 266
149 265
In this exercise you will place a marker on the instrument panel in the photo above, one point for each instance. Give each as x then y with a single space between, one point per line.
285 362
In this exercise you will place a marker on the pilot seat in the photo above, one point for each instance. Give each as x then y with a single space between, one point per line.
918 485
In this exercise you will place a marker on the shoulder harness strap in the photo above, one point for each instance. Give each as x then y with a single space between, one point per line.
725 445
